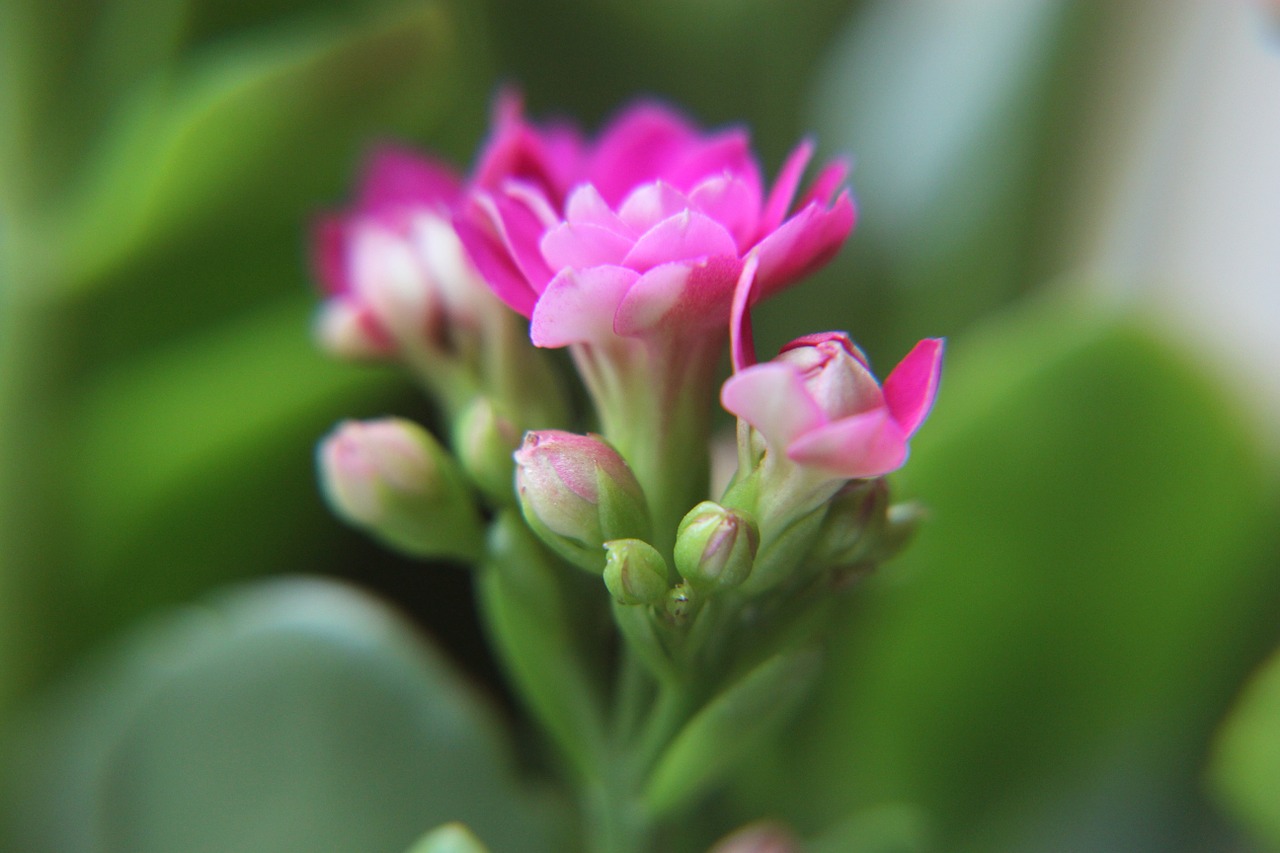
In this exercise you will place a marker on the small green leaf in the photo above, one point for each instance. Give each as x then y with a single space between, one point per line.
289 717
1246 764
730 726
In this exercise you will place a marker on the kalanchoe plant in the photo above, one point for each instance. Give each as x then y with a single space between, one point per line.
642 250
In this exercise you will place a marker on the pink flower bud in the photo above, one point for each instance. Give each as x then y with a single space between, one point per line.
393 479
577 493
715 547
818 404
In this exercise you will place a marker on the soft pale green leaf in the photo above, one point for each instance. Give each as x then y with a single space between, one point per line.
1091 580
1246 768
291 717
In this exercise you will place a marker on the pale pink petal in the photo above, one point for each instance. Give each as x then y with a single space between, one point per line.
679 298
637 148
805 242
772 398
825 185
579 306
784 188
651 203
816 338
867 445
399 177
685 236
742 347
585 204
581 245
911 387
729 201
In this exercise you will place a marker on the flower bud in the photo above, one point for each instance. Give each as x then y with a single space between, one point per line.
577 493
392 478
715 547
853 526
485 439
450 838
635 572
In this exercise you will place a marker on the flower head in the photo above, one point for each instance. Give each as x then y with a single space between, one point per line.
643 231
819 405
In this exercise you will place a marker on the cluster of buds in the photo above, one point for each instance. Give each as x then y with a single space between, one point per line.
642 251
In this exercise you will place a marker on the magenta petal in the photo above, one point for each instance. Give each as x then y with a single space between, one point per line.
728 153
772 398
742 347
487 251
804 242
579 306
685 236
680 298
329 254
651 203
825 185
637 147
729 201
784 189
911 387
585 204
549 160
580 245
399 177
519 225
867 445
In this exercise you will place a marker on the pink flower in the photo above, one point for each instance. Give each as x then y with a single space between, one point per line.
644 231
818 404
391 267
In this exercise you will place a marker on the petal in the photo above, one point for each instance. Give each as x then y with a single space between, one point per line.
519 221
581 245
585 204
329 254
867 445
550 160
398 177
784 188
578 306
803 243
685 236
729 201
912 386
728 152
651 203
678 298
742 347
481 237
825 185
772 398
637 147
348 330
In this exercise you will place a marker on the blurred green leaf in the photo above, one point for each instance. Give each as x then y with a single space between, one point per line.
1095 575
1246 766
239 135
883 829
294 715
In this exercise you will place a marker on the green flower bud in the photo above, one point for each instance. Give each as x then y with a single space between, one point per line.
715 547
853 525
577 493
635 572
392 478
485 439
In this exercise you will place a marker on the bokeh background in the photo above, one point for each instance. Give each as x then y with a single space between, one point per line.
1084 197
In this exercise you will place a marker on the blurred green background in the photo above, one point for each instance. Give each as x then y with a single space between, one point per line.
1083 197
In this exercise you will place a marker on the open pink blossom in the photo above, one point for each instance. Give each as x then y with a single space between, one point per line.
818 404
392 267
645 230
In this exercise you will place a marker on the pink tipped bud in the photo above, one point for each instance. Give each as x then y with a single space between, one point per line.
392 478
716 547
577 493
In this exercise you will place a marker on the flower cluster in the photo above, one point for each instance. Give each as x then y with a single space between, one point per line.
642 250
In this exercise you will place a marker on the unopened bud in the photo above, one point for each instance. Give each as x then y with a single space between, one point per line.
485 439
635 572
854 524
392 478
450 838
577 493
715 546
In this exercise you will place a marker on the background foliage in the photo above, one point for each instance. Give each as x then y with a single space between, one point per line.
1052 667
